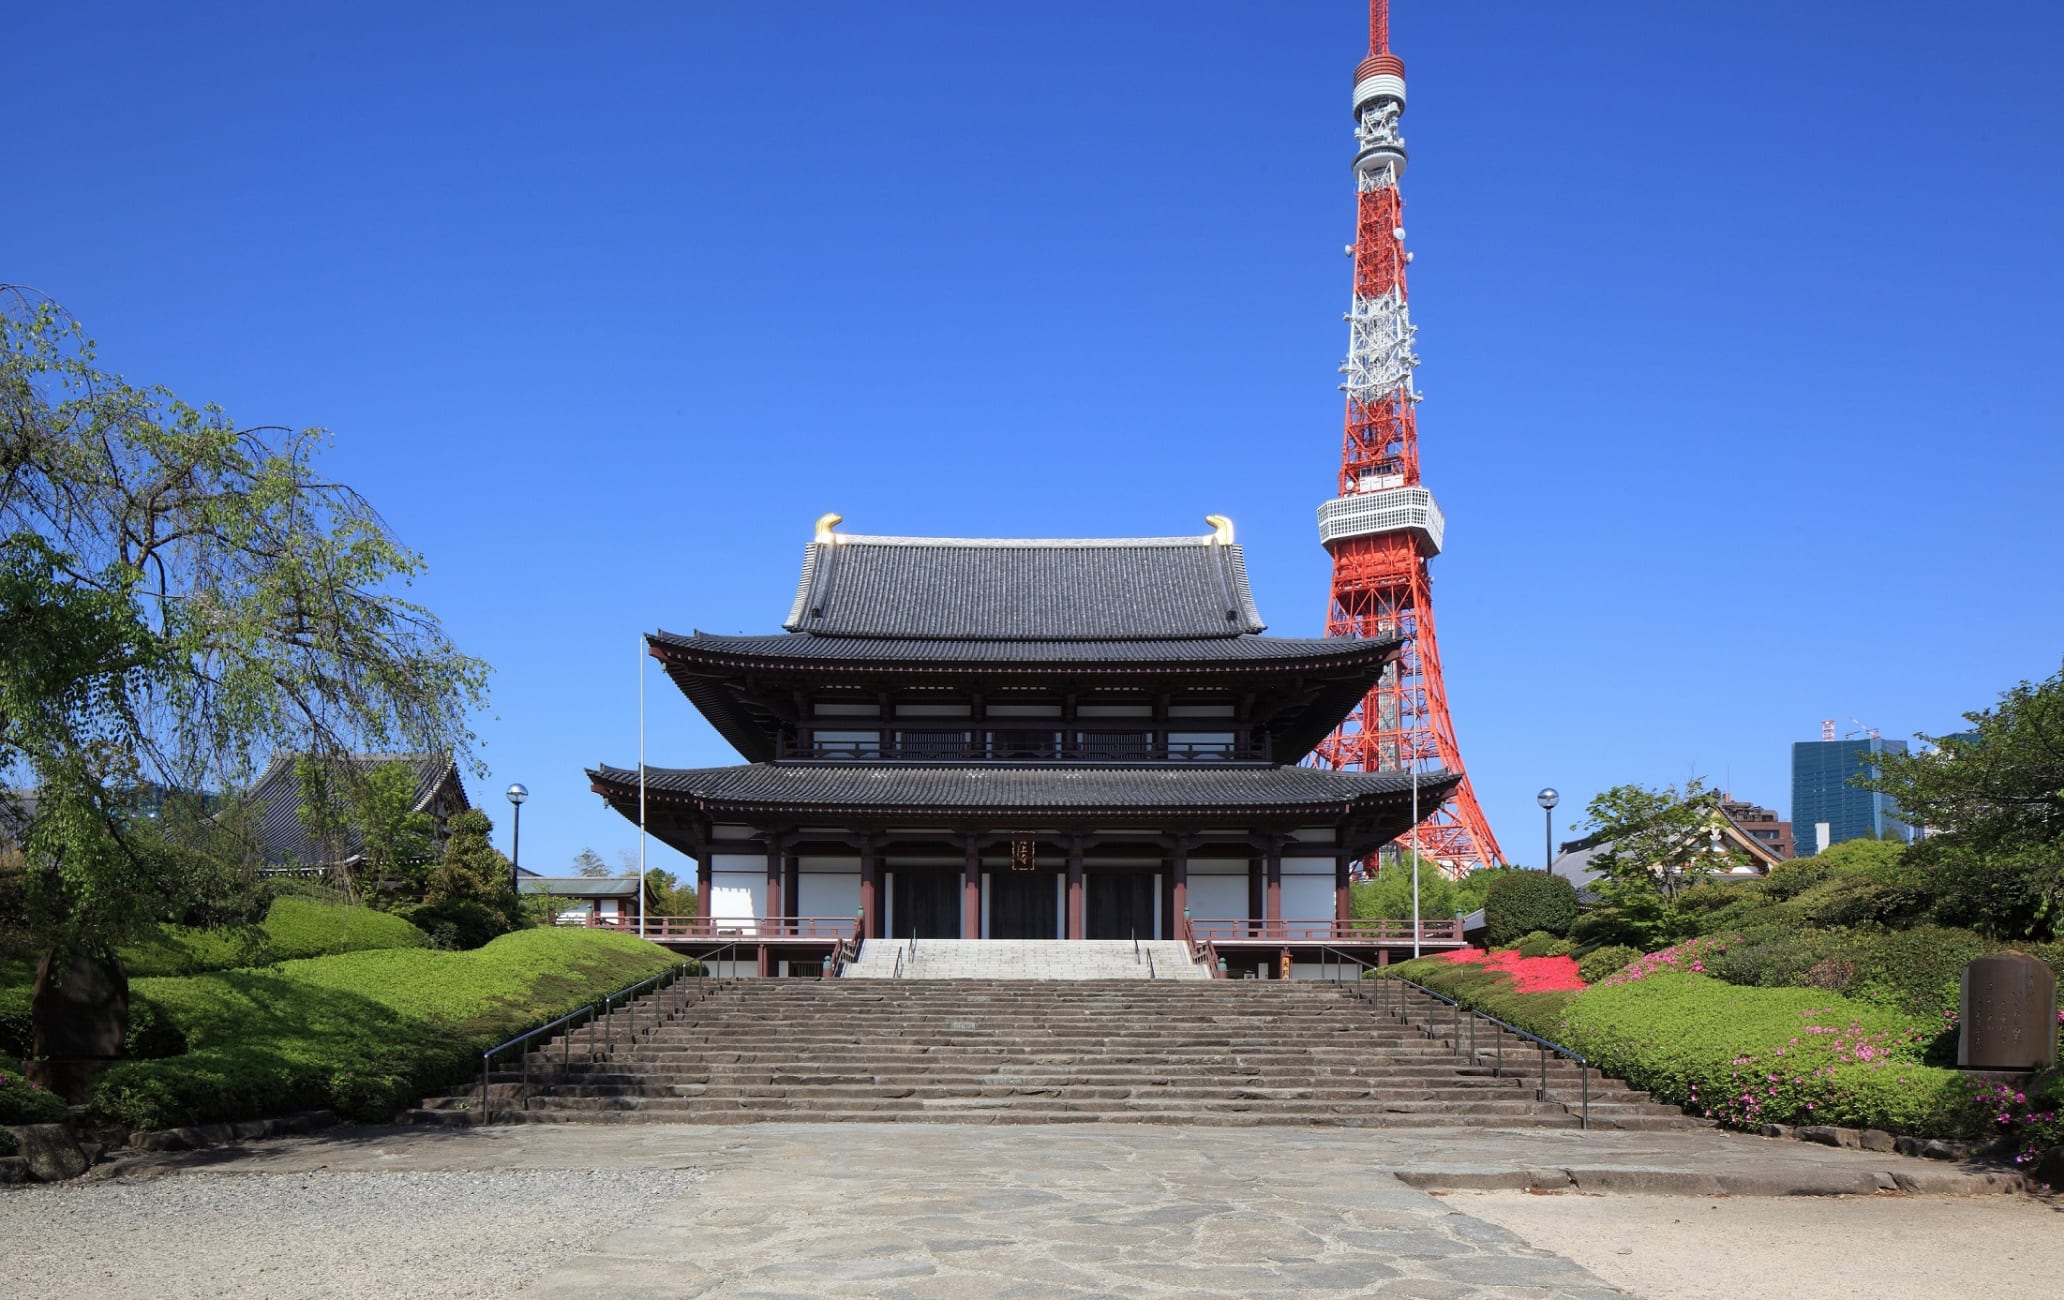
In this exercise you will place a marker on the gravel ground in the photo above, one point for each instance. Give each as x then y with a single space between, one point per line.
406 1236
1810 1248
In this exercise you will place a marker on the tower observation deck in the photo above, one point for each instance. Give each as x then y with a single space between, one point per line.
1384 526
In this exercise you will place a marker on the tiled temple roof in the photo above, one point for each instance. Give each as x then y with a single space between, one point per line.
856 788
1024 590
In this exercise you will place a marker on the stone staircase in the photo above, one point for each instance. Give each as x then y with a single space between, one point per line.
1210 1052
1025 959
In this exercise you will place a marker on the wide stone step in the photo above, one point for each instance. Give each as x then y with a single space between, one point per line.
968 1051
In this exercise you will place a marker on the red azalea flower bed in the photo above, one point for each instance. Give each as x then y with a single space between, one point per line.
1528 974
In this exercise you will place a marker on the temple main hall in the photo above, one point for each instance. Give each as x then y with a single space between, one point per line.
1009 738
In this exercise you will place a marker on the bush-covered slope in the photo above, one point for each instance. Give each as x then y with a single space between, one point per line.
293 928
361 1032
1744 1056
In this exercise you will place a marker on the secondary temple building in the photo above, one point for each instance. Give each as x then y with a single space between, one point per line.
1020 738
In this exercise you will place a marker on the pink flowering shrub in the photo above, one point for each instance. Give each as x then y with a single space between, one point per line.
2030 1116
1528 974
1690 956
1750 1056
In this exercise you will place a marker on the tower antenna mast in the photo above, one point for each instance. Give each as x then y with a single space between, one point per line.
1384 527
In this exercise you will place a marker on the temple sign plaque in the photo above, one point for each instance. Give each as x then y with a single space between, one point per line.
2009 1014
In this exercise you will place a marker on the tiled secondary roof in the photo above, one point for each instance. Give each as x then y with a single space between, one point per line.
277 794
1227 650
1017 590
858 788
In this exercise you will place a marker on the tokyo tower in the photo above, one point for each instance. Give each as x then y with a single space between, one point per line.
1384 526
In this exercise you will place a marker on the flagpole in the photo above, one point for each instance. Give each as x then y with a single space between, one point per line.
1415 858
641 785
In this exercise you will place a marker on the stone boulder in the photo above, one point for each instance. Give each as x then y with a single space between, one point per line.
81 1015
50 1151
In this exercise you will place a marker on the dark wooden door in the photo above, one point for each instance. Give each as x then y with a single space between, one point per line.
1023 905
927 904
1120 905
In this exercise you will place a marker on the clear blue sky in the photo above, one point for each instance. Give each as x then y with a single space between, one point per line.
1741 326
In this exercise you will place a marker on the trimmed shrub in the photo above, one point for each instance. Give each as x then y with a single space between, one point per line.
1748 1056
1543 944
362 1033
1487 988
294 927
456 924
1609 960
1520 902
1794 877
22 1102
17 1031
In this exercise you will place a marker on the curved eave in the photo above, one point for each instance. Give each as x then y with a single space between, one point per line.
702 665
1385 812
903 658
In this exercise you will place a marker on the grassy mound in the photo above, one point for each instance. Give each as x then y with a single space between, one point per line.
293 928
362 1033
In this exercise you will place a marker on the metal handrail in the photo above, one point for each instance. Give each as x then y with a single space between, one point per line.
1497 1070
898 974
606 1005
1346 956
1150 966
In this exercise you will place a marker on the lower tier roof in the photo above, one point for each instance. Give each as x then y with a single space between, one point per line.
911 793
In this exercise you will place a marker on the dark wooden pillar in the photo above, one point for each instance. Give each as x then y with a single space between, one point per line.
704 902
792 885
1343 906
773 879
870 878
1257 893
1272 902
1179 887
971 893
1075 888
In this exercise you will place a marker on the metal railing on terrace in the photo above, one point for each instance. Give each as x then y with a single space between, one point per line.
816 929
1388 933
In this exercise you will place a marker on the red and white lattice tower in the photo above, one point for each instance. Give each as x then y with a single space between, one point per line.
1384 525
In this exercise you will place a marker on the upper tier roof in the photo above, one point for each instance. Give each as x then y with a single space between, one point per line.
1031 589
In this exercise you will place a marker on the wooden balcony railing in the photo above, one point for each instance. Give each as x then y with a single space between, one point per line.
821 929
1360 932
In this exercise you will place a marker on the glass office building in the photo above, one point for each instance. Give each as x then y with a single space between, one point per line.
1822 794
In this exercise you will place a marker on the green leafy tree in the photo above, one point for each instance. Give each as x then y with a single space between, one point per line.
1388 897
397 843
1994 800
472 870
1653 843
179 597
589 863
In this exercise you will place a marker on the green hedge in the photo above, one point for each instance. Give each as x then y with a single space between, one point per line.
1520 902
1692 1040
1609 960
293 928
1482 988
362 1033
22 1102
1749 1056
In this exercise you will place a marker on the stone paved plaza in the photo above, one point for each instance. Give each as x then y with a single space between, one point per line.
776 1211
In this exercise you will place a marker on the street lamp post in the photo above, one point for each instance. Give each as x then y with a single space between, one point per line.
517 794
1548 798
